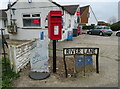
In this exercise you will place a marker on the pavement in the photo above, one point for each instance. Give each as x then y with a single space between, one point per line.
108 58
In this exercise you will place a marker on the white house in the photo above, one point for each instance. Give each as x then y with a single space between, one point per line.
3 22
87 15
30 17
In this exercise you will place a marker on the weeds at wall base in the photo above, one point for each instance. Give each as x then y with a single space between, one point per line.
8 76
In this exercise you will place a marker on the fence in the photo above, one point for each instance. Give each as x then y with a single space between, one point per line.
19 55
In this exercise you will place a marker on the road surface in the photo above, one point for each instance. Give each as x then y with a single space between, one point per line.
108 58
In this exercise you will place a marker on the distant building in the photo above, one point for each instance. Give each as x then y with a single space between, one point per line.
117 22
102 23
119 11
87 16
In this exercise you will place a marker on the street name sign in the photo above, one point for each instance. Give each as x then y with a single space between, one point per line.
85 52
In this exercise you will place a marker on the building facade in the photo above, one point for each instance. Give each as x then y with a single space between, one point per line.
87 16
30 18
69 19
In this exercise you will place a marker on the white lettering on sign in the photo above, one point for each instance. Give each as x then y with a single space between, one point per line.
56 30
39 57
73 51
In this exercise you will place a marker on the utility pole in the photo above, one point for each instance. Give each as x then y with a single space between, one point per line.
3 46
9 6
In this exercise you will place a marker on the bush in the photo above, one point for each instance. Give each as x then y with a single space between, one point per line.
88 27
115 27
7 77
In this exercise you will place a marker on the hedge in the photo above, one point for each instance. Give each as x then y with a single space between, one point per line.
115 27
88 27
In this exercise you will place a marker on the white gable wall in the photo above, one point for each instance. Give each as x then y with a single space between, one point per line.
28 8
67 20
74 20
92 19
3 27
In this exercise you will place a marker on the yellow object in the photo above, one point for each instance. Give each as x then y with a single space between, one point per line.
11 63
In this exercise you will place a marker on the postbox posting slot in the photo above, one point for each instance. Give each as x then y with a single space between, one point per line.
56 19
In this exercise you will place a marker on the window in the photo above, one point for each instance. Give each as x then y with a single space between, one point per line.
29 1
89 15
99 27
35 15
31 20
106 27
27 15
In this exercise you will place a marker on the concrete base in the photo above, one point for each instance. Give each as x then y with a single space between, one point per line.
38 75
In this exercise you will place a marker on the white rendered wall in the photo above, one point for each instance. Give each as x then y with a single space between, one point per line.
92 19
24 33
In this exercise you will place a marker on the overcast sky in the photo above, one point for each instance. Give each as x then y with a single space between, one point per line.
103 9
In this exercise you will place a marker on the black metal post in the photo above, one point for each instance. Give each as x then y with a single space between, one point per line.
84 64
5 63
65 66
97 62
54 56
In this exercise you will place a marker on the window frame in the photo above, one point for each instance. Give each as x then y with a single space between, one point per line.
31 17
5 22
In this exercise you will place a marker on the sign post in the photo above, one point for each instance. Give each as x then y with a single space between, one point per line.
55 31
81 51
54 56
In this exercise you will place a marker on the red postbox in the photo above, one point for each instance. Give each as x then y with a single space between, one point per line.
55 25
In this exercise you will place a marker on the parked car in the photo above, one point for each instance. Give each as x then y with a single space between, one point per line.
118 33
100 30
